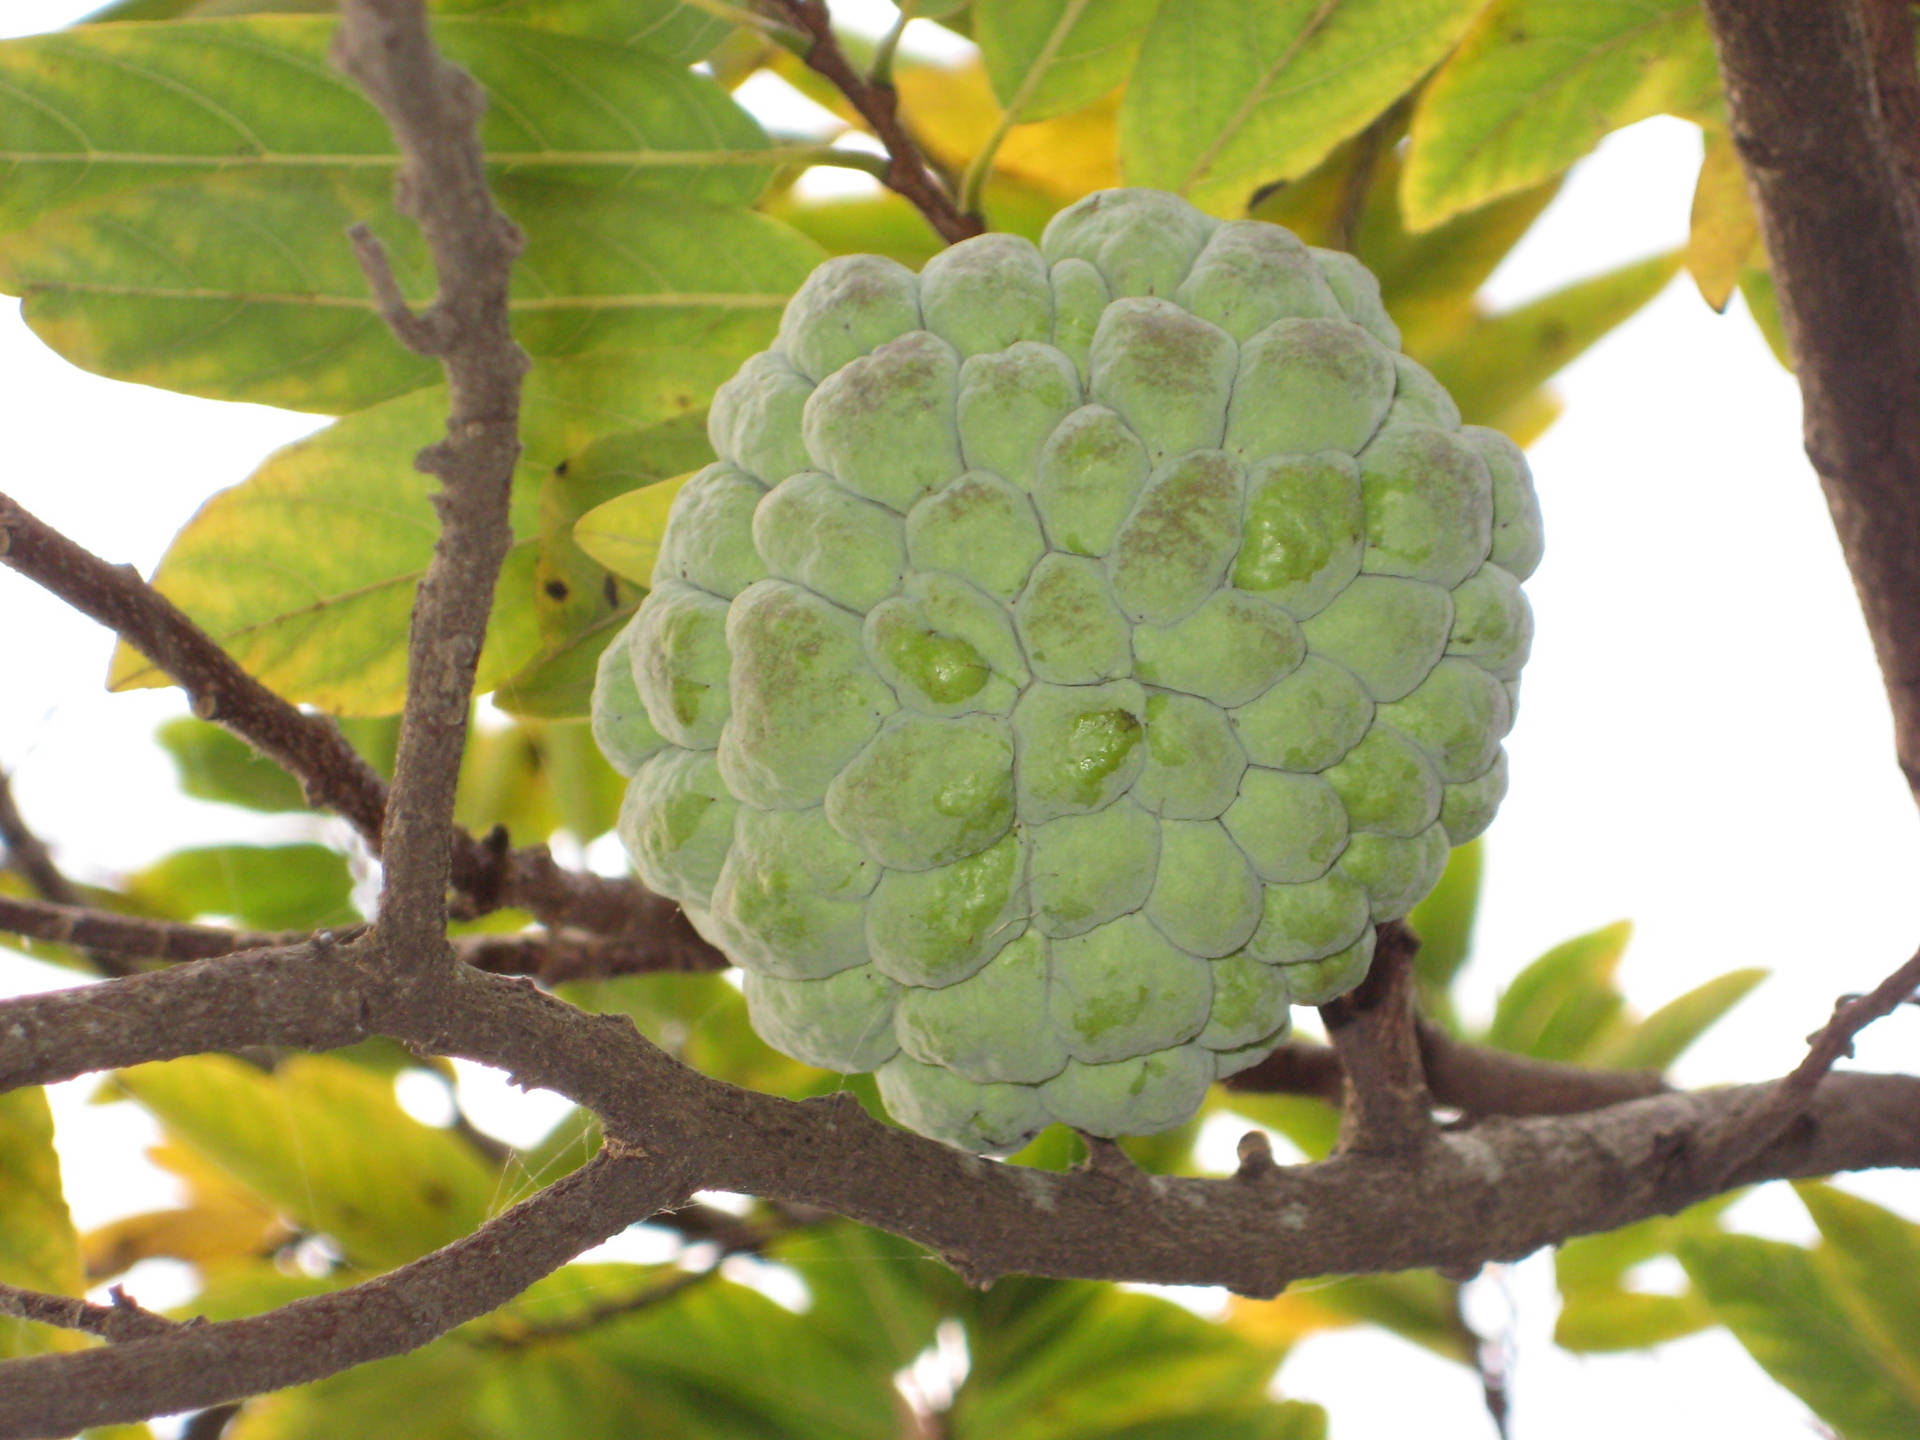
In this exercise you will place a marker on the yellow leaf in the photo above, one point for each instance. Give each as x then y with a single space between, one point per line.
1284 1322
1725 236
954 114
624 533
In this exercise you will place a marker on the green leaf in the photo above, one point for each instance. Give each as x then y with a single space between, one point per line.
1875 1255
1756 286
327 624
215 764
241 287
38 1247
325 1140
266 887
1444 923
1555 1005
717 1362
877 1296
1610 1320
558 685
1230 95
1537 84
1598 1310
1054 1361
99 110
1496 366
624 534
1660 1039
586 790
1792 1314
1416 1305
885 224
427 1395
675 30
1046 57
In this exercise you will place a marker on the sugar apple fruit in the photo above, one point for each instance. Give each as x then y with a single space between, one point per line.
1074 653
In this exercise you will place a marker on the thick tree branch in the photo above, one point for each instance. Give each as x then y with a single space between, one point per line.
1822 99
434 109
907 173
195 1366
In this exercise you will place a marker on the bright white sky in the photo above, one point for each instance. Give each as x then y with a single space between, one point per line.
1703 746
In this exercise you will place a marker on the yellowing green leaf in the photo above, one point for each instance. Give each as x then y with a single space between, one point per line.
1875 1255
954 113
675 30
325 1141
1230 95
624 534
100 109
1495 367
1555 1005
1535 86
1660 1039
1725 233
1047 57
1792 1312
242 287
558 685
38 1248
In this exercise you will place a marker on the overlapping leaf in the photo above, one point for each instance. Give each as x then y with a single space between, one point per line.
303 1138
1047 57
89 112
1230 95
38 1247
1535 86
266 887
1724 235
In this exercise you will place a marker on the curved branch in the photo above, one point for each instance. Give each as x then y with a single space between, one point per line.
195 1366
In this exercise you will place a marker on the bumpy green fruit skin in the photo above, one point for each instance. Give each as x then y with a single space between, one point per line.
1074 654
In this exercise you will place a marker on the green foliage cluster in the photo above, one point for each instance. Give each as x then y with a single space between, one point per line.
180 177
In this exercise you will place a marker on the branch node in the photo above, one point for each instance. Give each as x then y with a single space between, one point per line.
1256 1156
418 333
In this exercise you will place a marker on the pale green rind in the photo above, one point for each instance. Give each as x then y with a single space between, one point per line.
987 293
1251 1002
1468 808
676 821
843 1022
681 663
1419 399
755 418
1397 872
1079 747
988 1119
1358 290
1517 538
982 1028
1458 716
1079 298
1173 550
1292 827
1252 274
1142 242
1492 622
926 791
1308 721
1122 990
1429 505
1387 784
804 697
1314 982
1089 473
882 425
1308 385
1132 1097
936 927
1228 651
1166 372
1194 762
1206 898
791 895
1088 869
708 541
815 532
946 648
848 307
1009 402
980 528
1072 631
620 725
1305 530
1309 921
1390 632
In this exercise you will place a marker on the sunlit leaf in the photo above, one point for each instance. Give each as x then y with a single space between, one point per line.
1230 95
86 113
1875 1254
954 114
1660 1039
426 1395
38 1248
1791 1311
884 224
624 534
1555 1005
1724 235
304 1138
1536 84
1046 57
215 764
266 887
1444 923
675 30
1498 364
242 287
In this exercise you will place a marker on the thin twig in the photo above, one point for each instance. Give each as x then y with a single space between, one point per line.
907 173
123 1320
26 853
134 937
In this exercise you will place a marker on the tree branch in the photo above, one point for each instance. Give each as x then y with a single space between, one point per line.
434 109
26 854
121 1321
907 173
1822 99
195 1366
1385 1106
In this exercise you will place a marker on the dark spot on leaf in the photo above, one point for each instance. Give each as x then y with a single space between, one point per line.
610 588
557 589
561 468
